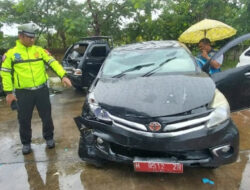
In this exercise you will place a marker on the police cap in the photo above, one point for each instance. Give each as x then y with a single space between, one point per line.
28 29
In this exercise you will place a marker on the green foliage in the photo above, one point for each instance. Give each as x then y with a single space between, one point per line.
62 22
7 42
227 64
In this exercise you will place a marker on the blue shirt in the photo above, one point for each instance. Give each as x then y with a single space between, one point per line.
202 61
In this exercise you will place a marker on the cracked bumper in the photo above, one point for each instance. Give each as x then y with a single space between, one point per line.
207 147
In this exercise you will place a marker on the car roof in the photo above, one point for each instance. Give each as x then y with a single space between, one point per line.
91 42
149 45
97 40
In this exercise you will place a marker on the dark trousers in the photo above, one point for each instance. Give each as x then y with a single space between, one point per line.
26 101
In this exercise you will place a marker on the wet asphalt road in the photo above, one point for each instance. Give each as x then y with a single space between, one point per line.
61 168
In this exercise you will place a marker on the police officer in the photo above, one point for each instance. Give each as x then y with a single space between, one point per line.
24 80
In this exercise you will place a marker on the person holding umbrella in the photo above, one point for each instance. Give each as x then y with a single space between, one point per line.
203 33
206 52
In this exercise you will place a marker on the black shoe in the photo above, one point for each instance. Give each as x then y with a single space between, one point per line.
26 149
50 143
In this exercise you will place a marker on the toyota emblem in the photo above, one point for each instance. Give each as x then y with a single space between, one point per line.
154 126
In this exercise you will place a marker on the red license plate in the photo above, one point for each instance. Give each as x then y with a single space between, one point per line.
163 167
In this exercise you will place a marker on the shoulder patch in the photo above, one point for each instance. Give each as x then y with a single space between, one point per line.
18 56
36 55
3 58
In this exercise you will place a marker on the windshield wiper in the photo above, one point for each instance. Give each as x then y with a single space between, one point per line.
160 65
138 67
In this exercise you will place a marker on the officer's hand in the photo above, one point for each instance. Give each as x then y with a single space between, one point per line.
66 82
10 98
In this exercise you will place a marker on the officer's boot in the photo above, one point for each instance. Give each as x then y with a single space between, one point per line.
26 149
50 143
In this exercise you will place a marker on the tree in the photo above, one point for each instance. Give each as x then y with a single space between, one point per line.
241 20
62 22
57 18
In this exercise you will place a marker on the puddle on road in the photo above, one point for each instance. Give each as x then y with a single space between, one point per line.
77 175
60 169
42 169
245 182
39 176
242 121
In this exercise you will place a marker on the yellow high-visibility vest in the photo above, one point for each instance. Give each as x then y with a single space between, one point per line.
25 67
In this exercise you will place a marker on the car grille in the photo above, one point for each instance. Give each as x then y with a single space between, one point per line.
179 127
184 125
125 123
133 152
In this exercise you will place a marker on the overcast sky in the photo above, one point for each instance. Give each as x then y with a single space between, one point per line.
12 30
9 30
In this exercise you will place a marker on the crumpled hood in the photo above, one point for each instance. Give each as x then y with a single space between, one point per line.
154 96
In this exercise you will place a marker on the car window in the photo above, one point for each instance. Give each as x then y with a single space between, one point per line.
98 51
247 53
178 60
74 55
77 51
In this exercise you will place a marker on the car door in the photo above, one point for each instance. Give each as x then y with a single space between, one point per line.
235 85
95 58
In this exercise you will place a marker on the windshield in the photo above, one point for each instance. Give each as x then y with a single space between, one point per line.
145 61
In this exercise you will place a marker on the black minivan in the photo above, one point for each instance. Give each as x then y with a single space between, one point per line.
153 107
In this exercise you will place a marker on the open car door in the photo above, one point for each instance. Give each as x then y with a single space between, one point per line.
235 85
95 58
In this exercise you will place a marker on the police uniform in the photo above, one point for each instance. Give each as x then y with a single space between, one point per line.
24 71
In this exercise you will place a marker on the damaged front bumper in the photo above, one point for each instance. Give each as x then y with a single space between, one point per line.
100 142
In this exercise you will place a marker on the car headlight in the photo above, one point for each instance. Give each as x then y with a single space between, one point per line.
99 113
221 110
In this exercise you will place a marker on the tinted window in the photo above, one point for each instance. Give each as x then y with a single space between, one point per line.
98 51
247 53
178 60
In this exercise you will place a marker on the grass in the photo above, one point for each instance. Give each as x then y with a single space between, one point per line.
228 64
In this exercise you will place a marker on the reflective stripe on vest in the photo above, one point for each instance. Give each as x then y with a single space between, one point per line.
6 70
27 61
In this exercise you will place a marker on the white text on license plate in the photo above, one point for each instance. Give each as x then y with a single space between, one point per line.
141 166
